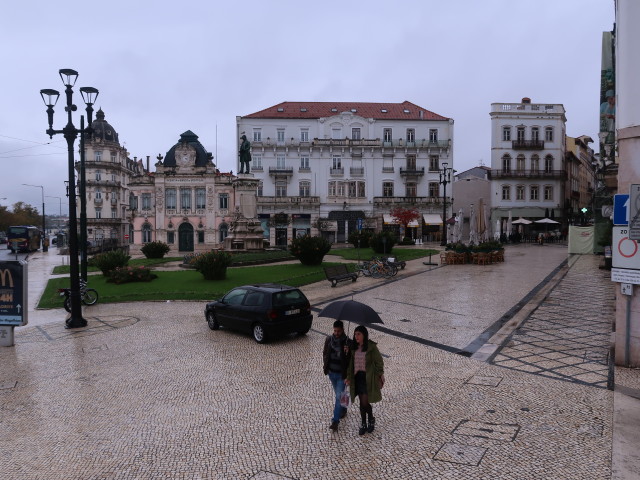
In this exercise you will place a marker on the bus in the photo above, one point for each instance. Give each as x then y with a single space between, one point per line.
28 238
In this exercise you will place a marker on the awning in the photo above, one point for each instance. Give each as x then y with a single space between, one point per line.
413 224
389 219
432 219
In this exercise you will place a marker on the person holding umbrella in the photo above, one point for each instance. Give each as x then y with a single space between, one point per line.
335 356
365 376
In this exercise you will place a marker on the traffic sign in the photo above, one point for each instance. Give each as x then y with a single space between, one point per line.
126 237
13 293
625 251
634 212
621 209
359 224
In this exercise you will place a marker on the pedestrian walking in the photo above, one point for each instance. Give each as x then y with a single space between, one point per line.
335 356
365 376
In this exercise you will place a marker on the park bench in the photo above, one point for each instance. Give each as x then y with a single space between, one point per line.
339 273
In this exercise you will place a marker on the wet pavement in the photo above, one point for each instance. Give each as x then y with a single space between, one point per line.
147 391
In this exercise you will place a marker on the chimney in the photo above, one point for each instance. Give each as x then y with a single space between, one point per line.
526 100
420 114
147 163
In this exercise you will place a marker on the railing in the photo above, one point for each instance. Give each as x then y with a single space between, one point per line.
280 170
105 183
388 169
304 169
407 200
288 200
104 220
356 170
97 201
412 171
549 174
527 144
336 171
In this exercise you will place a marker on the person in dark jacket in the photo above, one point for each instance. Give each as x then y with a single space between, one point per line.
365 376
335 356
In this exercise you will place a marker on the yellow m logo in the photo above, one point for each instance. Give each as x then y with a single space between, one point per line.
3 274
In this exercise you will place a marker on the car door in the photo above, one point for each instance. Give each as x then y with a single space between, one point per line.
229 310
254 309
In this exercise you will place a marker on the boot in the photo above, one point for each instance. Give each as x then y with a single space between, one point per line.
363 429
372 424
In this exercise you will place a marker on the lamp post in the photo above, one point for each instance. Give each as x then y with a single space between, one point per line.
445 178
70 133
45 246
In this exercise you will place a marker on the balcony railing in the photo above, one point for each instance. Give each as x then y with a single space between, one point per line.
104 183
336 171
388 170
356 171
280 170
547 174
97 201
407 200
288 200
103 220
412 171
348 142
527 144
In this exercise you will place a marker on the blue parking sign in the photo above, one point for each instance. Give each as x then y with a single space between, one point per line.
359 223
621 209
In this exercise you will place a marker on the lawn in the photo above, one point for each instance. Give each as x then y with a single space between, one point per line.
399 253
187 284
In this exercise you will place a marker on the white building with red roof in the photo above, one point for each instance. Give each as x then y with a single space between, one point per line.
324 165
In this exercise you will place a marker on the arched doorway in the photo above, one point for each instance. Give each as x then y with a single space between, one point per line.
185 237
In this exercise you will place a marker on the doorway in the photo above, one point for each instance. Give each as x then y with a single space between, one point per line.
185 237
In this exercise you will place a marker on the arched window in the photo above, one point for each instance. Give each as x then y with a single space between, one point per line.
506 163
224 232
548 164
146 233
520 163
535 163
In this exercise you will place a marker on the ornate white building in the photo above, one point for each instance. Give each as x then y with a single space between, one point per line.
322 166
527 160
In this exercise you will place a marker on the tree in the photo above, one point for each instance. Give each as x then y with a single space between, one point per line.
404 216
22 214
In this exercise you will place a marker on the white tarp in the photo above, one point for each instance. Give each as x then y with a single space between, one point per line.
432 219
581 240
389 219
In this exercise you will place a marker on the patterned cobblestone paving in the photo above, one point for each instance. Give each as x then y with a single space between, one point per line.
566 338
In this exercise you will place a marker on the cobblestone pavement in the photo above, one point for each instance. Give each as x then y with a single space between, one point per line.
566 338
147 391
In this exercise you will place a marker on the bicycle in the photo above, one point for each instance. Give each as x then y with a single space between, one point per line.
88 296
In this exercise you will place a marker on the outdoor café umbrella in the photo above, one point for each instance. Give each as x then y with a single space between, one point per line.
487 222
351 311
481 226
496 234
509 226
523 221
473 235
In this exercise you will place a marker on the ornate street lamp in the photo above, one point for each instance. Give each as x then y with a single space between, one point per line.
70 132
445 178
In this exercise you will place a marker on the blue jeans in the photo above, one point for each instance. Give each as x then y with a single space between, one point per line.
338 388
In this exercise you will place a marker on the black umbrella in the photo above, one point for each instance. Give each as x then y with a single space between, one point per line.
351 311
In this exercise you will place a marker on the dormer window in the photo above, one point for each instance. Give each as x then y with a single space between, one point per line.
384 110
353 110
303 109
280 109
406 111
334 109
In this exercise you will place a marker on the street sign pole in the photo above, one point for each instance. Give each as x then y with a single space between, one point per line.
634 212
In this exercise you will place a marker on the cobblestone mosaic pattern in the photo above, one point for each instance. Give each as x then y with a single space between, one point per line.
566 338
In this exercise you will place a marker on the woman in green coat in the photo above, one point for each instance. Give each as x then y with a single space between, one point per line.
365 376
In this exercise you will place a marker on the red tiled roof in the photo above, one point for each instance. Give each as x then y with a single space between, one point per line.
379 111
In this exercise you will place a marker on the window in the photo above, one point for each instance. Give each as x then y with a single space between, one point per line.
171 237
533 192
548 192
548 134
412 189
520 163
356 189
506 134
411 162
98 175
281 188
98 194
224 232
336 133
201 198
340 189
170 197
259 189
332 189
98 212
519 192
336 189
506 192
548 164
114 157
304 163
434 189
257 135
98 155
337 161
535 163
280 162
223 201
133 202
411 135
200 236
114 213
434 163
387 135
433 135
185 198
387 189
305 188
113 177
146 201
256 162
146 233
355 134
280 135
520 134
506 163
535 134
304 135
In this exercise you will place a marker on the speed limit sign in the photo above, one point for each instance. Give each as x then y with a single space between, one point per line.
624 249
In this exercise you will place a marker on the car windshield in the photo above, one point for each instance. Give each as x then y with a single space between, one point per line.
288 297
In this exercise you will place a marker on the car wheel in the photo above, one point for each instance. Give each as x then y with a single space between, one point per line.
258 333
212 320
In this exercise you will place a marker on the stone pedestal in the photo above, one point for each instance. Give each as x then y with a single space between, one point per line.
246 231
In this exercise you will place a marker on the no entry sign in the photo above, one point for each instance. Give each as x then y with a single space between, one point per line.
625 251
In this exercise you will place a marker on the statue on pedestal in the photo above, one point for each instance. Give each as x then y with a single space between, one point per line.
245 155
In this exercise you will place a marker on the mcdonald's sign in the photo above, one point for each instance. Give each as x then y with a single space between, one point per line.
13 293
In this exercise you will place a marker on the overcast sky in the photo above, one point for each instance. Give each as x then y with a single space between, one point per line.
164 67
